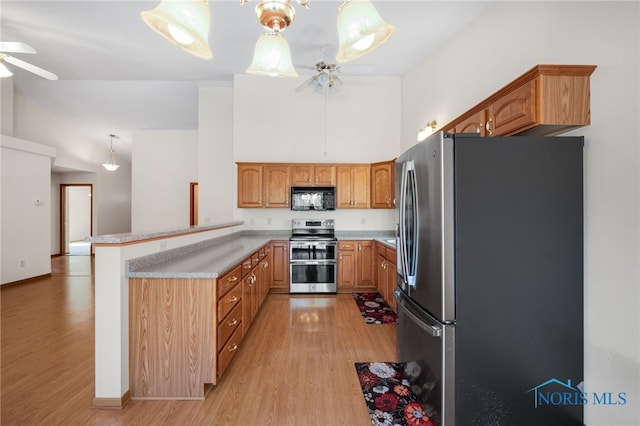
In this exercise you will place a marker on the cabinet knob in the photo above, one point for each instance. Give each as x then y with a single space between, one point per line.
232 323
233 279
233 299
233 348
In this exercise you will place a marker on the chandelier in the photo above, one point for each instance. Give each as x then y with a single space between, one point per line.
186 23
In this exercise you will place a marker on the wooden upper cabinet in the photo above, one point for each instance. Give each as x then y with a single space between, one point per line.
249 185
276 185
383 185
313 175
515 110
353 186
546 100
475 123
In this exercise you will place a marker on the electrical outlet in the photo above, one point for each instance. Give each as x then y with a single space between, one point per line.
363 220
252 221
163 245
268 221
22 263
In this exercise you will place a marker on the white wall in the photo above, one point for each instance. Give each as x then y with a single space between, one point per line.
506 41
216 196
274 123
25 223
80 159
164 163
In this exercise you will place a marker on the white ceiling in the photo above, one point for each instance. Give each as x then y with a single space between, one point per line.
117 76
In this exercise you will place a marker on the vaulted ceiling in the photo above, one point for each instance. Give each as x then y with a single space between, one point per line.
118 76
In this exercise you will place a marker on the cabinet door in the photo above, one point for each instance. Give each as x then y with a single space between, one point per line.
276 186
383 286
344 187
391 283
383 185
249 185
513 112
280 271
473 124
365 264
362 187
353 186
325 175
301 175
346 264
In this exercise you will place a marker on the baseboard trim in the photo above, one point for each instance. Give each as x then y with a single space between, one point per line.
112 402
27 280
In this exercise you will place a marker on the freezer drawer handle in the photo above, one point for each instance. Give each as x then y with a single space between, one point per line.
434 330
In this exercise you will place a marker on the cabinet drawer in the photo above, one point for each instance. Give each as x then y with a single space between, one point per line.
246 267
229 324
229 301
346 245
226 354
228 280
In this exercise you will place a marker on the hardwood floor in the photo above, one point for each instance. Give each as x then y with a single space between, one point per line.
295 366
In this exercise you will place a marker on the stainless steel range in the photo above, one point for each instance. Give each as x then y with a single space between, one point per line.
313 256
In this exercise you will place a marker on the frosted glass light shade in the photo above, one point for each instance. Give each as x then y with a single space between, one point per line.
184 23
4 71
272 57
112 167
360 29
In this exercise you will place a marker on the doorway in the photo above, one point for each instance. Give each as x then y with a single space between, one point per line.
76 218
193 205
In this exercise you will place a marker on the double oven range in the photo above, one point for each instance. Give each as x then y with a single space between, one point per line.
313 249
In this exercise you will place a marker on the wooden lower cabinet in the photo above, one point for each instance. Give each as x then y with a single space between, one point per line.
280 267
386 274
184 332
172 362
356 265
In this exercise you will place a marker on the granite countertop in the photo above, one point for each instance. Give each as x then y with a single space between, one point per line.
208 259
215 257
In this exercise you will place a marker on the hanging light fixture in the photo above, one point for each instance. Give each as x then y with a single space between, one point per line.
111 166
184 23
272 57
272 54
360 29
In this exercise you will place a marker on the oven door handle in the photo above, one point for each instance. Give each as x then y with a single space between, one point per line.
313 262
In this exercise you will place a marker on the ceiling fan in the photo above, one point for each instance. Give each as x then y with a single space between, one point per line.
19 47
325 81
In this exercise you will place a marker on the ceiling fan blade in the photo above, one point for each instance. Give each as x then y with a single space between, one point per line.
30 67
16 47
304 85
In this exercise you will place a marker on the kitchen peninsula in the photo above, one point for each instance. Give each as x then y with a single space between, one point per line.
197 288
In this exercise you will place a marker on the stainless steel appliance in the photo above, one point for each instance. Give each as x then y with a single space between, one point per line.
490 278
304 198
313 251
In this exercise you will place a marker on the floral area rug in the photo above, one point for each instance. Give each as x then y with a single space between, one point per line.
388 395
374 309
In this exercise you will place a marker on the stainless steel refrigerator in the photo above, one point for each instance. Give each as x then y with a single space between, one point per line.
490 278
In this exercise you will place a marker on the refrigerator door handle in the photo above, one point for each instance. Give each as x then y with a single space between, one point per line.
434 330
407 250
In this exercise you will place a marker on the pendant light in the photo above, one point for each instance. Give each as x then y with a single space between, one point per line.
184 23
272 54
272 57
112 166
360 29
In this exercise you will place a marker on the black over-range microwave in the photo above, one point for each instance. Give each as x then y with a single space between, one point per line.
304 198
